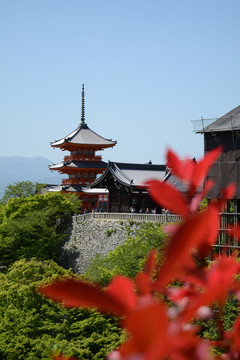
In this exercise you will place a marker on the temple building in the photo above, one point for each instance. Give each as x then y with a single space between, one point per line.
127 189
82 165
126 184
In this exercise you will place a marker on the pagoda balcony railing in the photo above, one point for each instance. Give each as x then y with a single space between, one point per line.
82 157
76 181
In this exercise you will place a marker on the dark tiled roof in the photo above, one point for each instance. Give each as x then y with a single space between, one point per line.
180 185
228 122
132 174
83 135
173 180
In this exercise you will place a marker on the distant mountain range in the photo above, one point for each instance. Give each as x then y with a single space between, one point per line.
17 168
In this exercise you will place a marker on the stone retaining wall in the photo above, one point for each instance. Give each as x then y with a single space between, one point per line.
88 238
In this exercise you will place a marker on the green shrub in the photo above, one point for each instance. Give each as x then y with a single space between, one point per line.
131 222
210 329
109 232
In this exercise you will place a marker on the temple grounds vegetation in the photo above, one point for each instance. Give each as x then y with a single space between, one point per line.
32 228
32 327
164 321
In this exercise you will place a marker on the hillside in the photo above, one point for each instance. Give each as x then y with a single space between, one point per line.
16 168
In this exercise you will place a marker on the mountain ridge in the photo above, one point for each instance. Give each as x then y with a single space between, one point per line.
19 168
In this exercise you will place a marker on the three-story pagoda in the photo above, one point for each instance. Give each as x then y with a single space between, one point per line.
82 165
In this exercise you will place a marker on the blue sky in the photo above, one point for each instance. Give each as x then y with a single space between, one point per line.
149 68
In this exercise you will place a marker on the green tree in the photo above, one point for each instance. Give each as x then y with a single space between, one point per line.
20 189
32 326
33 227
128 259
77 204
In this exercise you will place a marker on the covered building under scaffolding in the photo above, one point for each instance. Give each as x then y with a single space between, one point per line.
224 132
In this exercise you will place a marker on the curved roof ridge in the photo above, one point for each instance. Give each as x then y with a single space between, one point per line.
167 174
122 173
131 176
65 137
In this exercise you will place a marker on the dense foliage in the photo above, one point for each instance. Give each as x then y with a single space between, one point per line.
31 327
158 316
33 226
129 258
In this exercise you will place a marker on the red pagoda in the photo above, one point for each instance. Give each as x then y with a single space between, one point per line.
82 165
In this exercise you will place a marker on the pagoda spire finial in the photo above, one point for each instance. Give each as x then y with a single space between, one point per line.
83 106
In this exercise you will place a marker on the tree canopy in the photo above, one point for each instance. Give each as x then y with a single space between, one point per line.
33 226
20 189
31 327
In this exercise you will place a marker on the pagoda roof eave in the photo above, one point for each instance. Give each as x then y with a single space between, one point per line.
94 165
70 145
83 136
55 166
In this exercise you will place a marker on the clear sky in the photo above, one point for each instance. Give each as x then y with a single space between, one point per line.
149 68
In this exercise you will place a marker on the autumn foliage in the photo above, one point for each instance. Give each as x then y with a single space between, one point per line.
159 318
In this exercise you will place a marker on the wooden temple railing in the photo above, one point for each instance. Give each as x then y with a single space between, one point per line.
161 218
76 181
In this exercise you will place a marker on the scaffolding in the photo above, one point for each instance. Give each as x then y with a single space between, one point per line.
228 122
225 244
200 125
